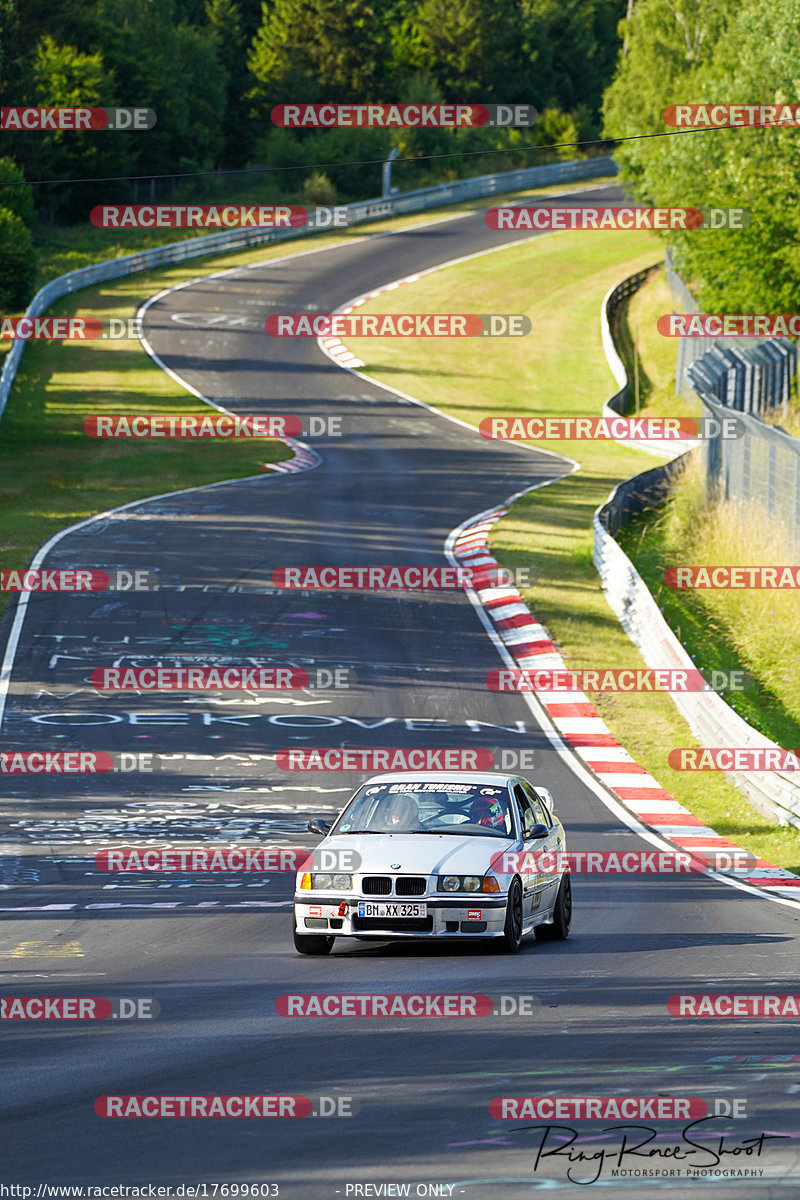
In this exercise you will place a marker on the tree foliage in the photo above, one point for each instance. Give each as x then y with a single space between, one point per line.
17 262
213 69
695 52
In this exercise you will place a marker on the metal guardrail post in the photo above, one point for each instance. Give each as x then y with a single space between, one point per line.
386 174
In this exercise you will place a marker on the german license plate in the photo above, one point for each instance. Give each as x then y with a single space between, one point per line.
367 909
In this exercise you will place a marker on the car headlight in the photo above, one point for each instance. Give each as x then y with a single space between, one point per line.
459 883
325 882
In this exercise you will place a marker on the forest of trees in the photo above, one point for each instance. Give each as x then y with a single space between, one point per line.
213 69
704 51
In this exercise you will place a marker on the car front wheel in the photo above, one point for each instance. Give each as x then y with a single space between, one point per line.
512 930
562 914
312 943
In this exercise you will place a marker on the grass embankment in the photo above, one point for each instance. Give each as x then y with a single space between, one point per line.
560 369
51 473
787 416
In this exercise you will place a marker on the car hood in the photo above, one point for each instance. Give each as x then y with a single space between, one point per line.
421 853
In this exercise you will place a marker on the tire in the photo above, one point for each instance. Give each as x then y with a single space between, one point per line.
512 929
312 943
562 915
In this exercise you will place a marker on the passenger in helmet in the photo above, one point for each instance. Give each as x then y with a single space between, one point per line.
485 811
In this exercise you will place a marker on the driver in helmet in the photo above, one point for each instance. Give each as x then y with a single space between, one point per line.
402 814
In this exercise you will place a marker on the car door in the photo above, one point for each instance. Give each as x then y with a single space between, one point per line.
535 883
552 844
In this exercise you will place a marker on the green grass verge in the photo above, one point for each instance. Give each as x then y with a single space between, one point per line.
560 369
712 637
52 474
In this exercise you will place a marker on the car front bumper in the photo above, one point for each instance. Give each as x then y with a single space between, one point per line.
337 915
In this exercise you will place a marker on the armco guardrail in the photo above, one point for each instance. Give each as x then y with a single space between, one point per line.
745 375
748 374
753 379
713 722
237 239
615 298
619 403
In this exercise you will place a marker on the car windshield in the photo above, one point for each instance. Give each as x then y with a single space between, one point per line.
470 809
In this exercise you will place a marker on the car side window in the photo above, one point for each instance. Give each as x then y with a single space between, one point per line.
526 810
542 815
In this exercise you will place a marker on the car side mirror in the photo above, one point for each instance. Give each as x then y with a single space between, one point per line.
317 825
536 831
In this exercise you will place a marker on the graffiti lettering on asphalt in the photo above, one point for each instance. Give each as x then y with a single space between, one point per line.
236 825
309 721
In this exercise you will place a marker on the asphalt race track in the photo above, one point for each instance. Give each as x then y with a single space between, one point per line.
216 954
